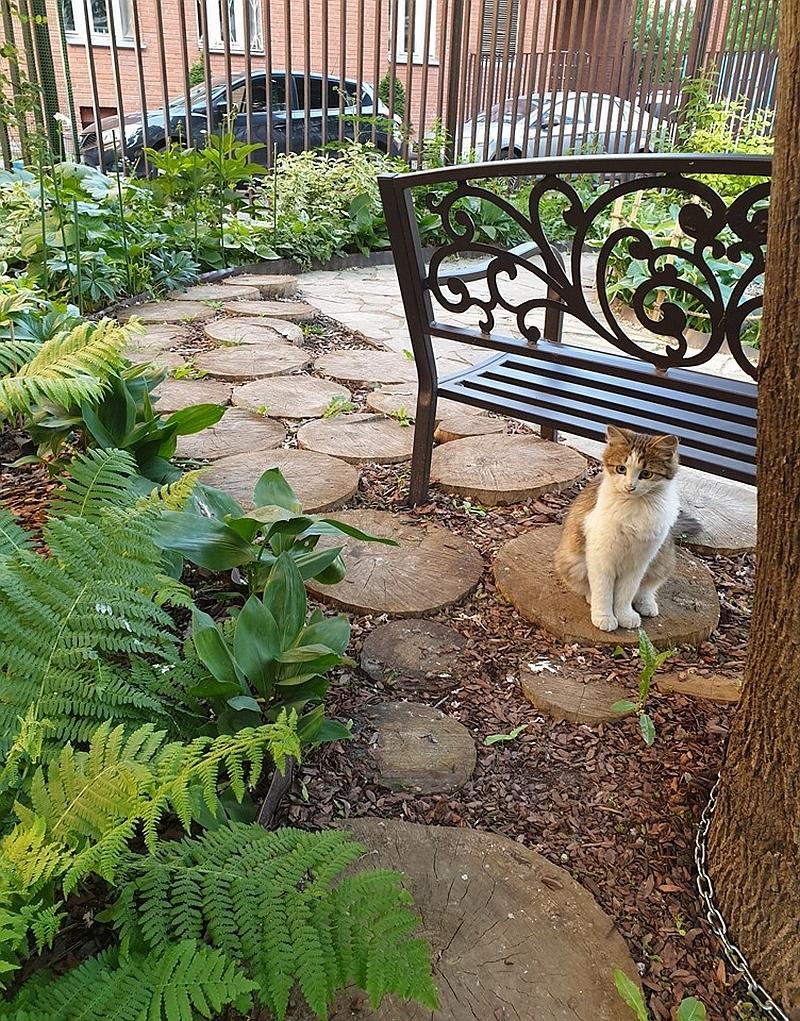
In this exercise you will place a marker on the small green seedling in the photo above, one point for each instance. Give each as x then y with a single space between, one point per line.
312 330
651 661
690 1009
188 371
214 303
470 508
263 410
338 405
511 736
402 416
408 354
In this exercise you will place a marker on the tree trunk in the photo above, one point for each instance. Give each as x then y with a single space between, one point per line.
755 837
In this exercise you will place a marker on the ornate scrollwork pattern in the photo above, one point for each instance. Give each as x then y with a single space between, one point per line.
679 281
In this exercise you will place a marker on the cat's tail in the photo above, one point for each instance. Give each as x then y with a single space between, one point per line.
686 527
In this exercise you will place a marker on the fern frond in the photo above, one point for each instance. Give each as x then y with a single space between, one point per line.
21 922
15 353
269 899
97 480
176 496
12 536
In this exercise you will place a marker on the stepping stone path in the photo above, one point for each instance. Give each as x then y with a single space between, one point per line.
252 361
237 432
714 687
358 439
251 330
514 937
268 285
320 482
526 575
156 339
459 425
292 311
366 368
398 397
496 470
175 394
299 396
412 747
159 357
565 691
216 292
414 656
429 569
726 512
167 312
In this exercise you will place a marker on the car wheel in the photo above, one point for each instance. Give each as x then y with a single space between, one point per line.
508 154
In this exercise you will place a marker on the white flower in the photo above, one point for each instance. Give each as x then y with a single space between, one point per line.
61 118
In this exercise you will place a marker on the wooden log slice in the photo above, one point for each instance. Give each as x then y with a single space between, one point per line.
298 396
216 292
157 338
726 512
366 368
252 361
564 691
701 684
359 438
268 285
167 312
253 330
401 398
468 422
292 311
237 432
429 569
414 656
505 469
160 358
411 747
525 573
176 394
320 482
514 937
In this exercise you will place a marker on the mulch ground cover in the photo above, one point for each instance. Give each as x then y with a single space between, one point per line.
620 817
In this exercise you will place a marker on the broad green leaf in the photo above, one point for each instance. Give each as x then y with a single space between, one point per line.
256 644
215 503
623 706
272 488
331 631
691 1009
317 562
244 703
631 995
334 526
211 688
511 736
285 598
289 526
212 650
207 542
194 419
332 730
305 653
333 573
647 728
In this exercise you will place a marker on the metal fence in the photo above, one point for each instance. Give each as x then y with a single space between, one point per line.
103 80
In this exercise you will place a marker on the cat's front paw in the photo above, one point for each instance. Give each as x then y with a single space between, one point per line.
647 606
604 621
628 619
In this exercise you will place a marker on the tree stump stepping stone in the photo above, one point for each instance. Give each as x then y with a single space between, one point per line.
514 937
411 747
564 691
156 338
429 569
252 361
298 396
401 398
237 432
525 573
498 470
159 357
414 656
253 330
359 438
292 311
216 292
167 312
459 425
705 684
177 394
320 482
726 513
268 285
366 368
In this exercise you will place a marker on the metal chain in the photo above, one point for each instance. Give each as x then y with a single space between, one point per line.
756 991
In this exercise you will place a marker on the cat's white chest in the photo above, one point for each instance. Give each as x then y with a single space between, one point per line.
619 522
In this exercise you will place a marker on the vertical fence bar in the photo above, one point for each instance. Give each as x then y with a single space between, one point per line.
490 82
411 23
504 71
394 16
34 75
738 17
476 85
112 30
93 83
342 63
607 80
137 44
185 71
306 74
645 70
531 73
325 59
443 55
571 53
20 115
266 27
426 56
759 41
287 29
247 28
47 71
519 46
461 104
377 36
162 60
226 54
451 126
202 8
360 68
587 24
766 74
655 75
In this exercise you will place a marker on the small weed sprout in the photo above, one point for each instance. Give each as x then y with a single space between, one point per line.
312 330
188 371
690 1009
511 736
402 417
408 354
338 405
263 410
651 661
214 303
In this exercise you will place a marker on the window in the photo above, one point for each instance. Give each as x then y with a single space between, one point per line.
238 12
334 94
72 12
258 95
500 19
411 37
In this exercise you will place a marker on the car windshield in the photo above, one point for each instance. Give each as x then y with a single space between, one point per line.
519 108
197 97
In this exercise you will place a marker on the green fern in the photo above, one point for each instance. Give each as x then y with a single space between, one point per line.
12 537
96 480
270 901
175 984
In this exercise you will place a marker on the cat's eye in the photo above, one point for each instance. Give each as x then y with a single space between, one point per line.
646 474
621 469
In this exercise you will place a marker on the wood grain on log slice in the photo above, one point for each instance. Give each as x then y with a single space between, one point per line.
253 330
467 422
155 356
396 398
505 469
320 482
714 687
429 569
514 937
252 361
291 311
268 285
359 438
725 511
176 394
366 368
414 656
237 432
412 747
167 312
299 396
158 337
525 573
216 292
566 691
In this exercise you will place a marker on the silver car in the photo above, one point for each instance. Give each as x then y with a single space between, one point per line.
560 123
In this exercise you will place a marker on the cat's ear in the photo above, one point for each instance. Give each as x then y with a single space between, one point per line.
664 444
616 435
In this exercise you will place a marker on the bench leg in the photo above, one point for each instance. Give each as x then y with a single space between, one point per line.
424 425
547 432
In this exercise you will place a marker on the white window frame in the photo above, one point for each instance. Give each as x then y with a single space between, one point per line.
80 34
420 9
216 38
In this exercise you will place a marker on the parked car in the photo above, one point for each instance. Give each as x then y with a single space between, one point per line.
160 130
562 122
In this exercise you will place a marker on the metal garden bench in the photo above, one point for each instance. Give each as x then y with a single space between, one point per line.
533 374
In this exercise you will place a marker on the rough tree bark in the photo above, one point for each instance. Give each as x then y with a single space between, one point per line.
755 837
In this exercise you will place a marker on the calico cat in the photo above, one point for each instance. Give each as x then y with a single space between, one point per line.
618 543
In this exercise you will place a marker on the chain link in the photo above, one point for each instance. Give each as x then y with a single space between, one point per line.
756 991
